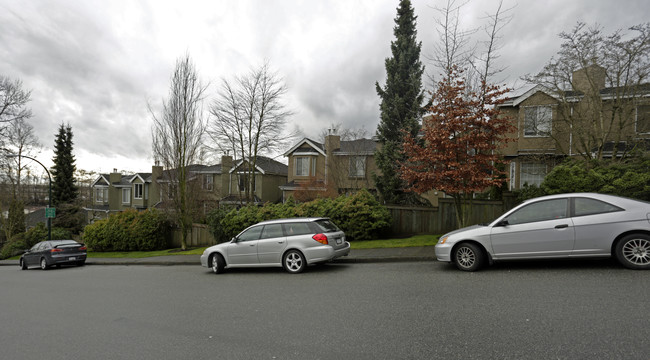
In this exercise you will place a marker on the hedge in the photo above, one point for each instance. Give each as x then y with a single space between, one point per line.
360 216
129 230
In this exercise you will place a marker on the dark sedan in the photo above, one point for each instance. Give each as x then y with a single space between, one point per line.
54 252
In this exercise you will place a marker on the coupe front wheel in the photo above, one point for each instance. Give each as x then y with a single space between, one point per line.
294 262
468 257
633 251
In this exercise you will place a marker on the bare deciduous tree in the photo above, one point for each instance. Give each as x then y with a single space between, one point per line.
598 80
249 119
177 138
19 140
13 100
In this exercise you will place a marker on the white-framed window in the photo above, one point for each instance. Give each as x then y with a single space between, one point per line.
357 166
208 182
302 165
126 196
137 191
243 181
643 119
101 195
537 121
532 174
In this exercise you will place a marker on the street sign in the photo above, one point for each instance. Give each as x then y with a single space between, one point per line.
50 213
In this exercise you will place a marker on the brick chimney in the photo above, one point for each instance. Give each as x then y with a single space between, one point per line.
226 165
589 79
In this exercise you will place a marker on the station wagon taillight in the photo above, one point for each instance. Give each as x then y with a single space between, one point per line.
321 238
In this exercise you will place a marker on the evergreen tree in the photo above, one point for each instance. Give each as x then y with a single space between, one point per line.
64 189
401 105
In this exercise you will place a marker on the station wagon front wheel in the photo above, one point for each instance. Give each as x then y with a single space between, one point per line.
633 251
294 262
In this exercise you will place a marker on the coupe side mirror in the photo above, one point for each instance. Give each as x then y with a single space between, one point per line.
502 223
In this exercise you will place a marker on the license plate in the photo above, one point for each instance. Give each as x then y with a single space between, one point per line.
339 241
72 258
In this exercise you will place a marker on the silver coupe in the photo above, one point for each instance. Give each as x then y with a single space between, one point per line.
577 225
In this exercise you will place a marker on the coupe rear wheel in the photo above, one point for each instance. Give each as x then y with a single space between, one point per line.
218 263
633 251
468 257
294 262
43 264
23 265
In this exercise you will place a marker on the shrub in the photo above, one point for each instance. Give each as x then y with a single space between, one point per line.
128 231
23 241
360 216
629 179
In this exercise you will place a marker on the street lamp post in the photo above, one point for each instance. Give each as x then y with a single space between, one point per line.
49 219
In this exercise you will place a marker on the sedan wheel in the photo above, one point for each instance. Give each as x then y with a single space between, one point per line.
468 257
43 264
23 265
217 264
633 251
294 262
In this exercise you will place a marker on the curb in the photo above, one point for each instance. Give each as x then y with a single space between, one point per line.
387 259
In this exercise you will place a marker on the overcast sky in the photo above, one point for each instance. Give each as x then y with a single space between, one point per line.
96 64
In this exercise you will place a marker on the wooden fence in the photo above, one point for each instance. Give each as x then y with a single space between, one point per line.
199 237
406 220
441 219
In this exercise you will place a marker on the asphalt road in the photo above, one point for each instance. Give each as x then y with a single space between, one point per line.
419 310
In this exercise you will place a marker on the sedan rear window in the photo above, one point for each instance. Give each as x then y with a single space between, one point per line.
327 225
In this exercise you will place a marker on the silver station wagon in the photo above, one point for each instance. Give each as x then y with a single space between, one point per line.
578 225
290 243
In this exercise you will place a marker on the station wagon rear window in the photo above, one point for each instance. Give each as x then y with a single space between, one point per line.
327 225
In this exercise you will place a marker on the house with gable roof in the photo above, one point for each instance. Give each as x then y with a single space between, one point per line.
333 167
213 185
549 124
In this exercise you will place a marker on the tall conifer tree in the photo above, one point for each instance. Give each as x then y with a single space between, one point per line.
401 105
64 189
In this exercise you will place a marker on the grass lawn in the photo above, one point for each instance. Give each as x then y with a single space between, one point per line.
417 240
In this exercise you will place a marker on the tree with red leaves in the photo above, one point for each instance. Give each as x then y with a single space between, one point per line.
459 149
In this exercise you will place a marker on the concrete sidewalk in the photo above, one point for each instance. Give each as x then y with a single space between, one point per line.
423 253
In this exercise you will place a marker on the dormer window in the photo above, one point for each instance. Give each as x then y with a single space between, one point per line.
537 121
302 166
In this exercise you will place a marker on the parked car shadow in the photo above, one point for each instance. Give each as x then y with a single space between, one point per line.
545 264
323 268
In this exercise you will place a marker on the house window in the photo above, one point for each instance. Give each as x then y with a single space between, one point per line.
101 195
243 179
208 182
643 119
302 166
532 174
537 120
357 166
126 196
137 191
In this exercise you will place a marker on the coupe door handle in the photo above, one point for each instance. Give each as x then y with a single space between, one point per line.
562 226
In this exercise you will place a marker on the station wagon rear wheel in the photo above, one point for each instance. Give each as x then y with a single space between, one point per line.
633 251
468 257
294 262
